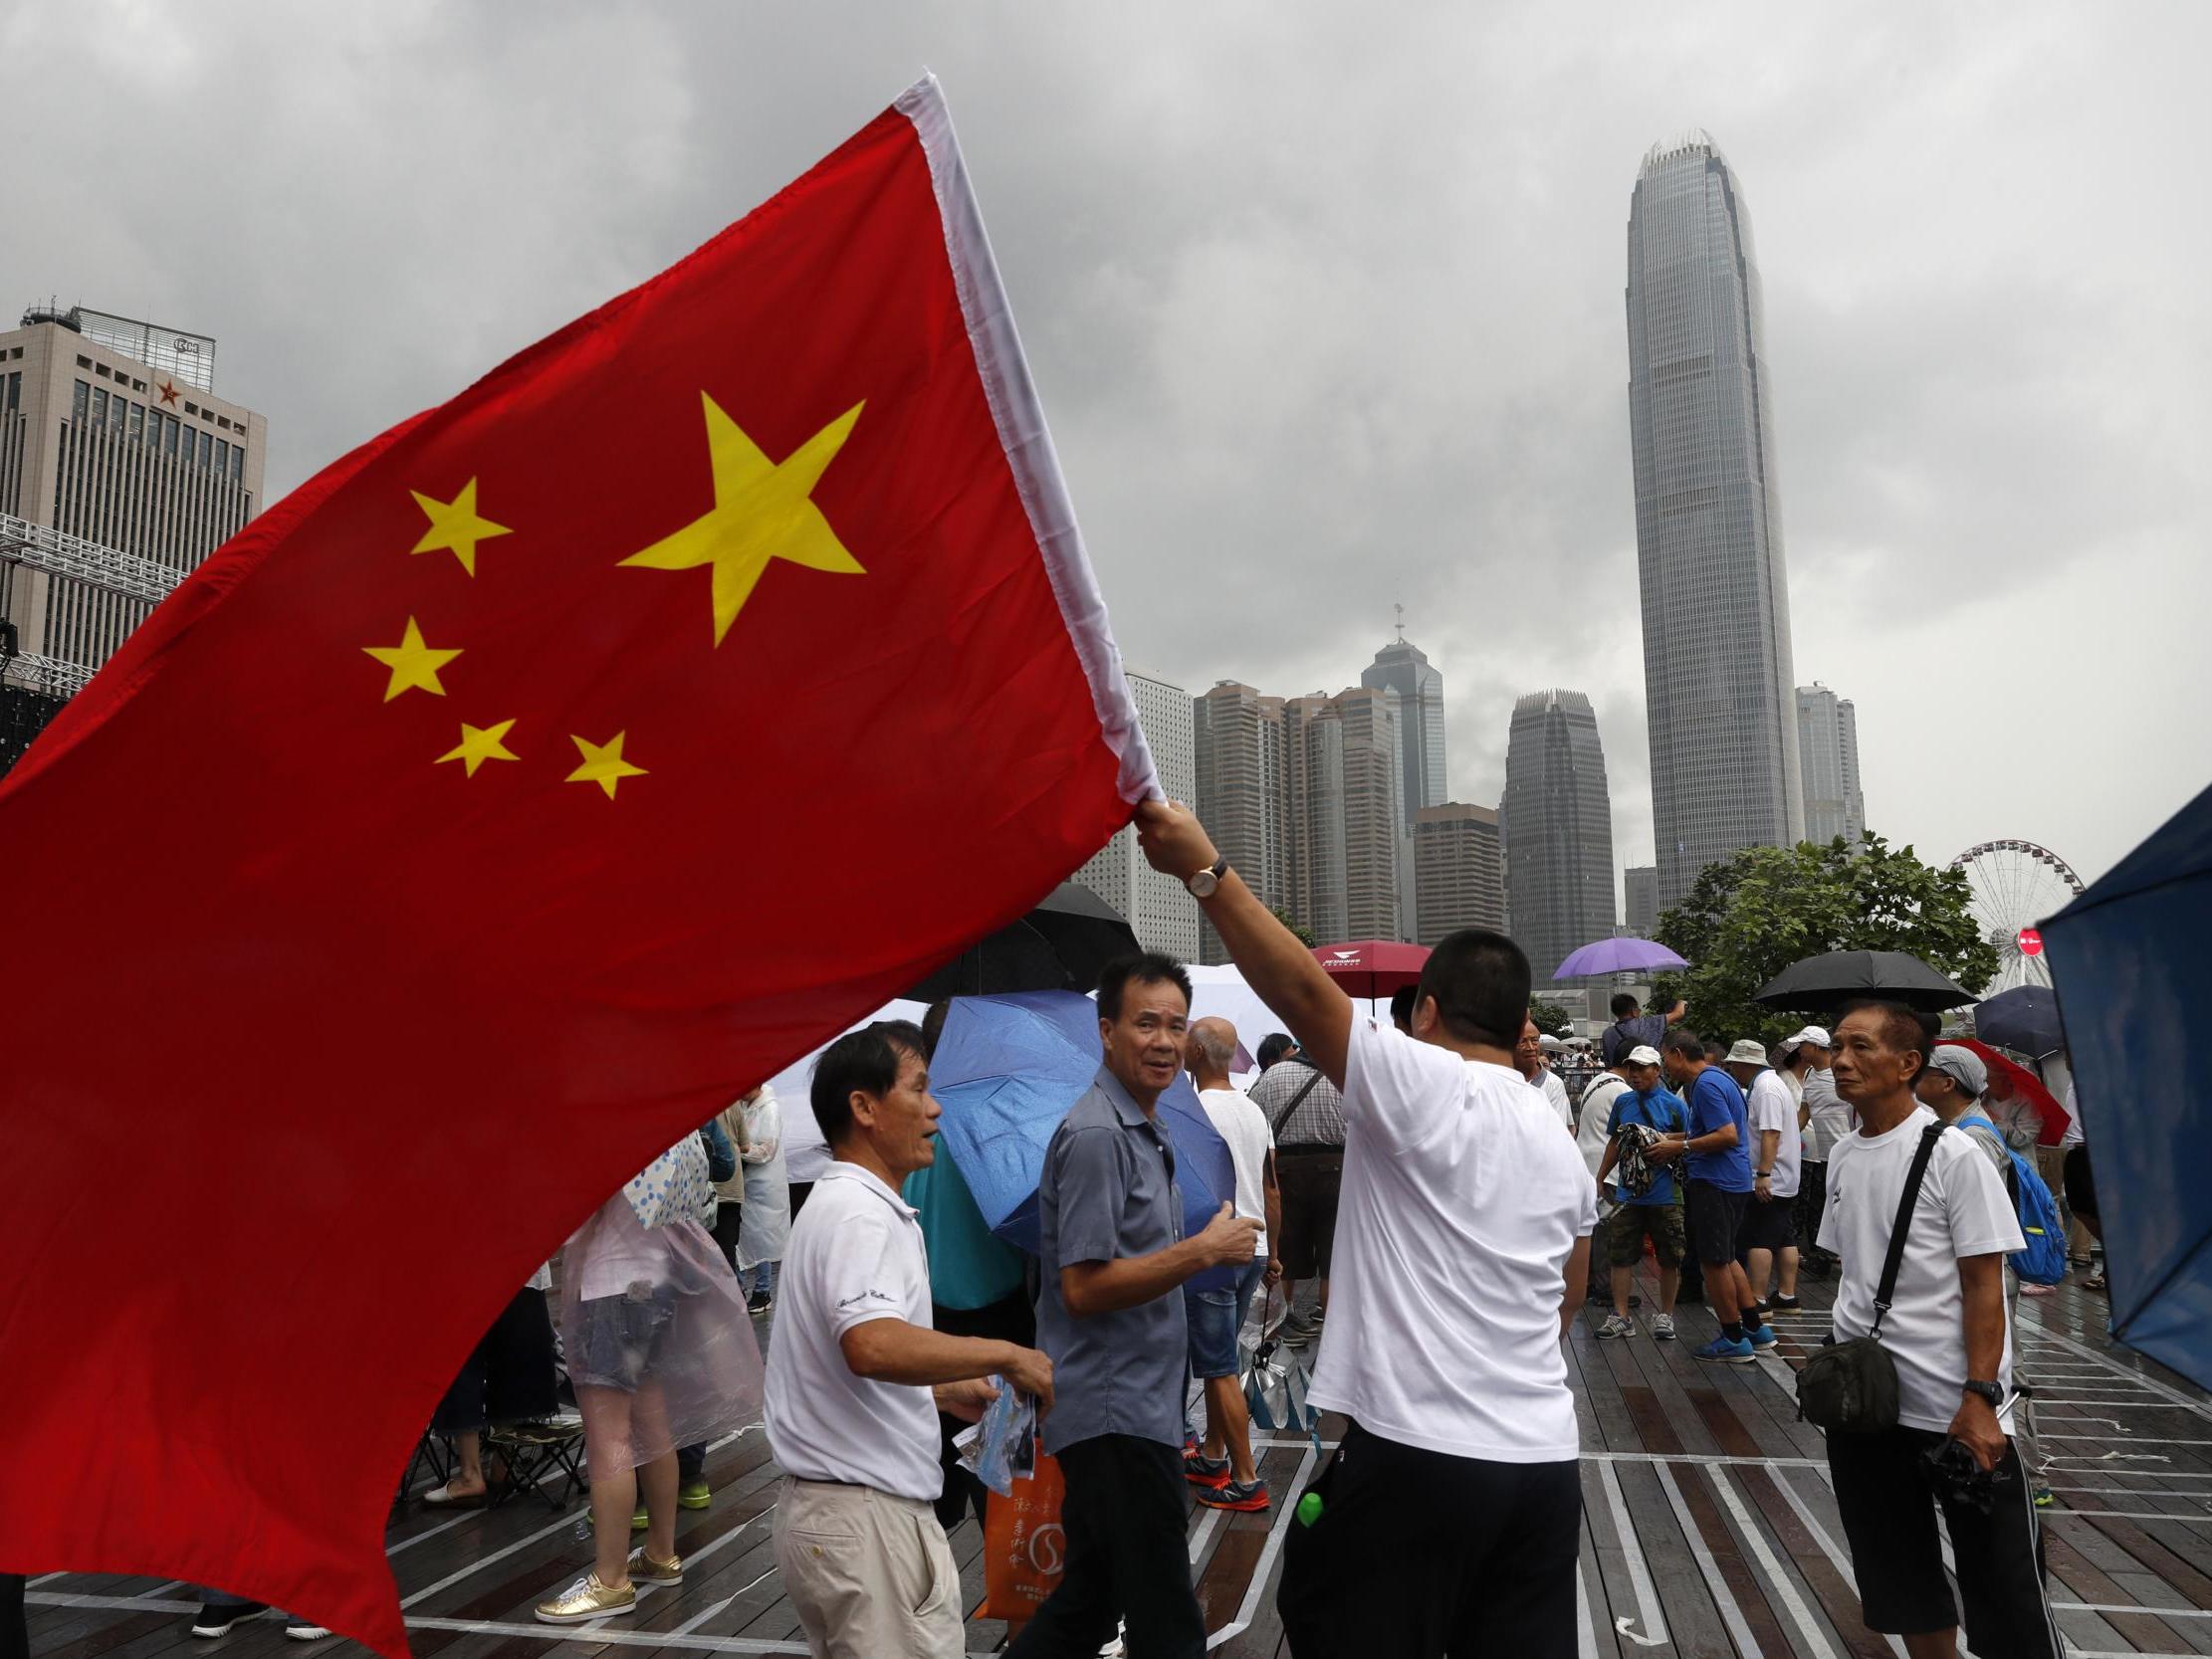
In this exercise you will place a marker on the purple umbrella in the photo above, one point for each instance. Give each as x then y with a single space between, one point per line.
1617 955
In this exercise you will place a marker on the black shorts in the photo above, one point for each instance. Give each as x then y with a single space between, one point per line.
1768 1226
1308 1177
1715 1218
2081 1186
1888 1513
1418 1553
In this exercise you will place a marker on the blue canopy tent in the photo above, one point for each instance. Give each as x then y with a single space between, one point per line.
2133 979
1006 1072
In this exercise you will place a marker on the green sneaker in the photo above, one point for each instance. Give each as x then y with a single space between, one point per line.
695 1495
637 1520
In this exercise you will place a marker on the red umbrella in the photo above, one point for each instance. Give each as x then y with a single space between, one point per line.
2009 1077
1371 967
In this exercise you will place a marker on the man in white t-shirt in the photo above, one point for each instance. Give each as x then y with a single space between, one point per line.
1592 1135
1221 1466
856 1375
1767 1243
1948 1333
1451 1515
1534 1064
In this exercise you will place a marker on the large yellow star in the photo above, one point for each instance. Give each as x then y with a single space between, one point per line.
413 664
763 510
455 525
603 763
480 744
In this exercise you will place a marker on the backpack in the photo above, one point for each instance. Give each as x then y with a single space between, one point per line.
2043 1262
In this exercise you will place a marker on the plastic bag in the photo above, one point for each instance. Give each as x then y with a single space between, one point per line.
1025 1544
1276 1379
1002 1448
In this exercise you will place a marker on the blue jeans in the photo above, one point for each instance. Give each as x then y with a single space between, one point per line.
761 1278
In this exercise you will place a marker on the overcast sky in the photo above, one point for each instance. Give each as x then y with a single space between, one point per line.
1325 304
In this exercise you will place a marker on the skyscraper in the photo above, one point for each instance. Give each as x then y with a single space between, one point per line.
1459 871
1159 908
1242 793
1416 700
1641 882
1708 533
1828 743
1558 825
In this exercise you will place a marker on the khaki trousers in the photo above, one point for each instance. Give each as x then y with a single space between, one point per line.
869 1574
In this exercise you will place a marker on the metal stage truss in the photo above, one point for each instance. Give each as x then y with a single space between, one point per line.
35 547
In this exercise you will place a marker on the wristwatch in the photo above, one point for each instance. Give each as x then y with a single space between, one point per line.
1202 884
1988 1391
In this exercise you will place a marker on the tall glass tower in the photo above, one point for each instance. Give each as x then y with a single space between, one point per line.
1417 694
1719 690
1558 822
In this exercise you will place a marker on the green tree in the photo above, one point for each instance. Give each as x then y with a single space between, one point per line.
1550 1018
1749 917
1299 930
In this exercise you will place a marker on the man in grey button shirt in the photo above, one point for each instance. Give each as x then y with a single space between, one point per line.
1110 1317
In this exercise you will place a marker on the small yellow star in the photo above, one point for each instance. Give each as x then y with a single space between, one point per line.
603 763
413 664
480 744
454 524
763 510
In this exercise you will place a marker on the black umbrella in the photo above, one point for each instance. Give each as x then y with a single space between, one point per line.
1823 984
2024 1019
1060 945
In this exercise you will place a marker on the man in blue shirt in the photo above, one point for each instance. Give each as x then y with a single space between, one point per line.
1716 1154
1651 1214
1110 1315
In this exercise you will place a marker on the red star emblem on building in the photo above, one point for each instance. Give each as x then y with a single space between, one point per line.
167 389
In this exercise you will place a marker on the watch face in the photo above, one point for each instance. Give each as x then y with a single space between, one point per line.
1204 882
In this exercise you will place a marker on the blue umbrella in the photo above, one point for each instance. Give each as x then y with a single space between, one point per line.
2024 1019
1006 1070
1617 955
2129 959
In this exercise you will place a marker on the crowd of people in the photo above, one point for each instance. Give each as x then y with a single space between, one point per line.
1424 1202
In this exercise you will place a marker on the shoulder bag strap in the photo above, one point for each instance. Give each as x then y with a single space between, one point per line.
1283 1117
1904 1225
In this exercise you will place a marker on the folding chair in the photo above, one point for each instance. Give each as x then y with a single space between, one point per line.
535 1450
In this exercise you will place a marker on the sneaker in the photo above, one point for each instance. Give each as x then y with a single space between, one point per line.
2045 1497
1662 1328
216 1617
761 1302
1761 1337
1788 1304
1201 1470
1235 1494
1296 1332
2039 1289
298 1631
695 1495
648 1574
1617 1324
1721 1352
587 1599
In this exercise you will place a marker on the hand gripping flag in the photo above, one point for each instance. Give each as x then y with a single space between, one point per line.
483 818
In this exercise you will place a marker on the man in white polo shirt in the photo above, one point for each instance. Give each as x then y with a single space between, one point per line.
856 1375
1451 1515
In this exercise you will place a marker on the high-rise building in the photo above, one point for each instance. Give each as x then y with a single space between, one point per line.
1315 807
1558 828
1242 795
1159 908
1373 821
1459 873
1715 590
117 463
1641 883
1827 745
1416 699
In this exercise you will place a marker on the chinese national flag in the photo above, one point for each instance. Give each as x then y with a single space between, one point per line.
486 816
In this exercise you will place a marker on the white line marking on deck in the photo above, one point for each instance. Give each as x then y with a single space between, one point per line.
1267 1554
1647 1610
1204 1531
1725 1598
483 1561
2087 1353
688 1625
1808 1626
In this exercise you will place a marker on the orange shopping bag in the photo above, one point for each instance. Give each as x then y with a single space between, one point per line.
1024 1545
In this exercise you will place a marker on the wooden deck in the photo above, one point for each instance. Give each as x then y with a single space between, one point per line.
1710 1529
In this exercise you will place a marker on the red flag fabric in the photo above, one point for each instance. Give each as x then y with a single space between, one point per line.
488 814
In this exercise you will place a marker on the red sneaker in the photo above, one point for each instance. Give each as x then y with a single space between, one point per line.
1201 1470
1235 1494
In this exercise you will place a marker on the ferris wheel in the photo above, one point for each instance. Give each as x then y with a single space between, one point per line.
2016 886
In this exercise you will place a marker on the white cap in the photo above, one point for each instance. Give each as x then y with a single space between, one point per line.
1817 1035
1642 1055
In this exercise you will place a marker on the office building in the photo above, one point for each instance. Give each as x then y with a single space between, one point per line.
1458 870
1558 828
1243 772
112 443
1159 908
1416 701
1641 884
1828 747
1717 672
